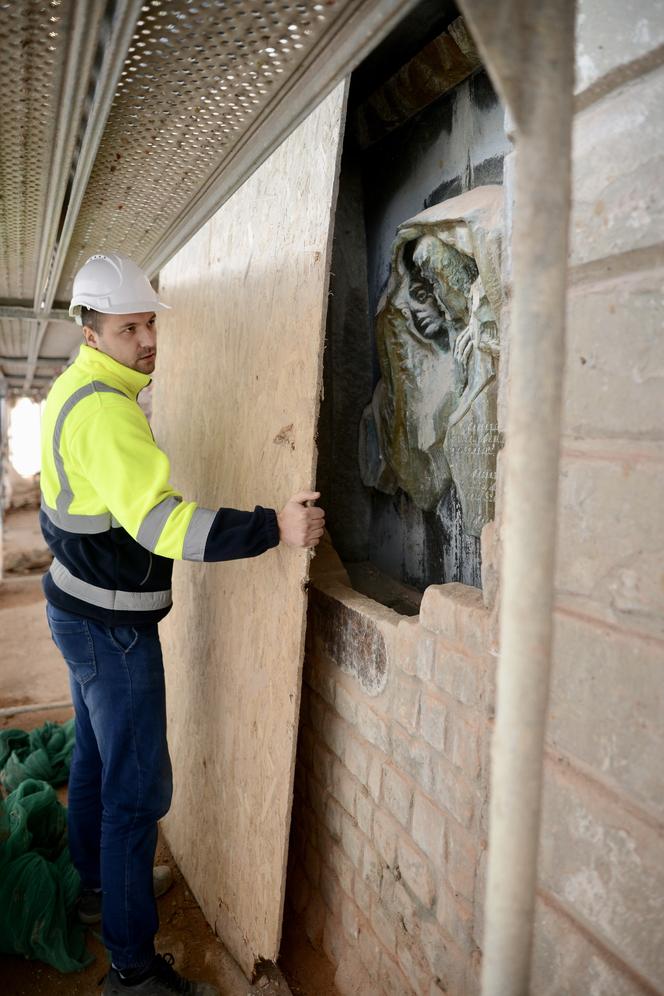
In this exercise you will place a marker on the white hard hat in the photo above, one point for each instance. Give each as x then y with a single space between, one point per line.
114 285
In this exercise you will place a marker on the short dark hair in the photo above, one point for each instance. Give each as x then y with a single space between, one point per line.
93 319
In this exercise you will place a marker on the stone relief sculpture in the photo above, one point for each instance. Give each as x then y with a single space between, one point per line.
432 422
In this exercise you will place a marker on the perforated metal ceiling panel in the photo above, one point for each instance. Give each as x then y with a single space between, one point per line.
199 78
196 75
125 125
33 54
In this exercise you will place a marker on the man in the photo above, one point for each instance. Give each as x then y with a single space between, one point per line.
115 524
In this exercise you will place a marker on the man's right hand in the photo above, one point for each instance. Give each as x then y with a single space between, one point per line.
300 525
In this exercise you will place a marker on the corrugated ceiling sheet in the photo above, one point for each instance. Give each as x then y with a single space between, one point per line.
14 337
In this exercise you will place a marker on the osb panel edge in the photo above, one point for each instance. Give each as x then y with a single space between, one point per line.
227 392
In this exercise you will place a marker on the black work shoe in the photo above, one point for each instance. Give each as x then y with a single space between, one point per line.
159 979
89 902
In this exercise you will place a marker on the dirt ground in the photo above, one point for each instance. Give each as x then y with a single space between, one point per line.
33 672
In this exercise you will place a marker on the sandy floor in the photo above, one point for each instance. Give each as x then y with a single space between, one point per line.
33 672
32 669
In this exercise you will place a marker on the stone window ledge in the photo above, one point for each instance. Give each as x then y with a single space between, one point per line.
366 639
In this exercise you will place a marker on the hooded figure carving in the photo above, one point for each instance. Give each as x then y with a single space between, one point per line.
432 421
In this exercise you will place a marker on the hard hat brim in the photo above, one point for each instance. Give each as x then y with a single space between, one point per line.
130 308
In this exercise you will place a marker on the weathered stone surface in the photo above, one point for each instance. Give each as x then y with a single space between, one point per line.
334 940
441 65
463 742
433 720
455 916
364 813
341 866
362 895
432 422
351 978
413 964
454 793
318 677
405 695
464 678
456 144
447 962
413 756
372 727
457 612
618 158
416 872
352 841
611 531
372 869
463 853
397 794
357 758
348 632
612 33
605 866
614 678
428 829
384 927
407 644
566 962
614 379
393 980
369 950
386 831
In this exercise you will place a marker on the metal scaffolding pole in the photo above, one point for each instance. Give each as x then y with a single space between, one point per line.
530 48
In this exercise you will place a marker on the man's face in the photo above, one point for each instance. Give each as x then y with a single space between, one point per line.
129 339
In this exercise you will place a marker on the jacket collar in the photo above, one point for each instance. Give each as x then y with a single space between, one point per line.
103 367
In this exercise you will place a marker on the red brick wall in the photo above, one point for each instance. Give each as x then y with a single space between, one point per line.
389 820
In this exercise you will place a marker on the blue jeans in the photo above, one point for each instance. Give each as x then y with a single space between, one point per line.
120 783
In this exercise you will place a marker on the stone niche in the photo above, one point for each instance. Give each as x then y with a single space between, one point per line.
432 422
408 431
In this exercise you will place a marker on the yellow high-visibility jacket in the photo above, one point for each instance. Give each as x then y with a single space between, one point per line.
110 516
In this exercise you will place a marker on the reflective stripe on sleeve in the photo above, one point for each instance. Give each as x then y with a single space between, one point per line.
197 534
104 598
153 524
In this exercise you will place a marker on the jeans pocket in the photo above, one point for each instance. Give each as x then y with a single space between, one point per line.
73 640
124 637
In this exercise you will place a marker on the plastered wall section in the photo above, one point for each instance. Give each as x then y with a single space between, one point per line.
600 912
388 850
235 407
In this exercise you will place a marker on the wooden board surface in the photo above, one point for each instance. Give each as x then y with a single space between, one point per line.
235 406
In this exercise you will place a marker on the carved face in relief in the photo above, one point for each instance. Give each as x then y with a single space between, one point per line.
439 282
432 420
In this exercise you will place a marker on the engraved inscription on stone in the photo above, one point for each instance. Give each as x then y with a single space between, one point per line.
432 421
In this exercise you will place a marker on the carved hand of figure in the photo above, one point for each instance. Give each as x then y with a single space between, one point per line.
467 340
471 337
464 345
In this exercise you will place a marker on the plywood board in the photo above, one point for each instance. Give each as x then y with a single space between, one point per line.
235 407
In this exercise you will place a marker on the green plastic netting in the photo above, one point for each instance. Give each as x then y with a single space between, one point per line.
39 885
44 753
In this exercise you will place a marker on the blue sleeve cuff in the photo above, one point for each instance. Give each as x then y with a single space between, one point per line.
235 535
